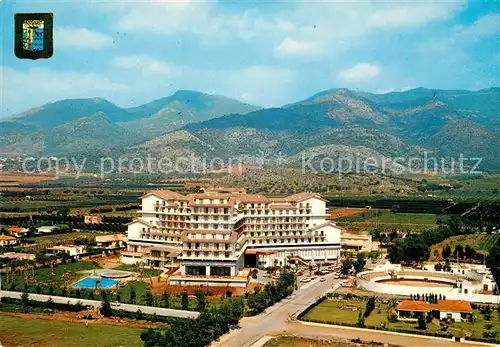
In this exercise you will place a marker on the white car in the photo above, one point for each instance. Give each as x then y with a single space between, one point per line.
322 279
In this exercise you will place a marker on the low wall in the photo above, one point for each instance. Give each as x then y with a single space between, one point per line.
189 281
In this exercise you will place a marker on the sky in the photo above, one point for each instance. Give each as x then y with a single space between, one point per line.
267 53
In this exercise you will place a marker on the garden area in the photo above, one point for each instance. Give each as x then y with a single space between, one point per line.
380 314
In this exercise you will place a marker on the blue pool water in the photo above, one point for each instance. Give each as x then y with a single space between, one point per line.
90 282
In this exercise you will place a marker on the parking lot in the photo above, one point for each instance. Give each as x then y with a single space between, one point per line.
304 275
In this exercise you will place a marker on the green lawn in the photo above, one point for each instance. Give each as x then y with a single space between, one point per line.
44 278
28 332
337 311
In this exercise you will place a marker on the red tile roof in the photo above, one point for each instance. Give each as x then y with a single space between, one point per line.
413 305
452 306
442 305
15 229
7 238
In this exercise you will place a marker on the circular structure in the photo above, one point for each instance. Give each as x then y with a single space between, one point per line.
114 274
407 282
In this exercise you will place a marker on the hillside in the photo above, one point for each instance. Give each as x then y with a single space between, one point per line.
339 123
79 125
336 124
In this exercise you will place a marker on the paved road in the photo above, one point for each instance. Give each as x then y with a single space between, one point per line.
126 307
276 321
273 320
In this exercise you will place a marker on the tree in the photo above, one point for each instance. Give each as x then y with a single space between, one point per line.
346 266
184 301
370 306
166 299
24 302
446 252
201 302
138 314
422 325
459 251
360 263
132 295
149 298
106 309
361 320
438 267
41 258
118 297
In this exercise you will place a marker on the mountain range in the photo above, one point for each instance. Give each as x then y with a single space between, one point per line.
336 122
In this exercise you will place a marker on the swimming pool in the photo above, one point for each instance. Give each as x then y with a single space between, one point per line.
90 282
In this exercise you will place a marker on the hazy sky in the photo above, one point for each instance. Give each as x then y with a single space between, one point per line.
264 52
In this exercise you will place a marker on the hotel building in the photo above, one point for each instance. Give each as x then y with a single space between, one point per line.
214 235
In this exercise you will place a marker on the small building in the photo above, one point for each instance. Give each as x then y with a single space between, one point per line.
458 310
92 219
18 231
46 229
71 250
358 242
6 240
115 241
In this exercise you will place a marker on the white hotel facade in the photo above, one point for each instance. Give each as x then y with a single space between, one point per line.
212 236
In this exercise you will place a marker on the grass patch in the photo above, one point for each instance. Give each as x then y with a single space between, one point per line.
26 332
335 311
44 278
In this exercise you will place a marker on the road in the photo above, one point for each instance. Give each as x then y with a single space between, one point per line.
126 307
276 321
272 321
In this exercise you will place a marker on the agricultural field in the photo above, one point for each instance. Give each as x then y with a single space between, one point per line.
480 242
45 240
367 220
340 312
486 186
16 331
387 217
10 179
